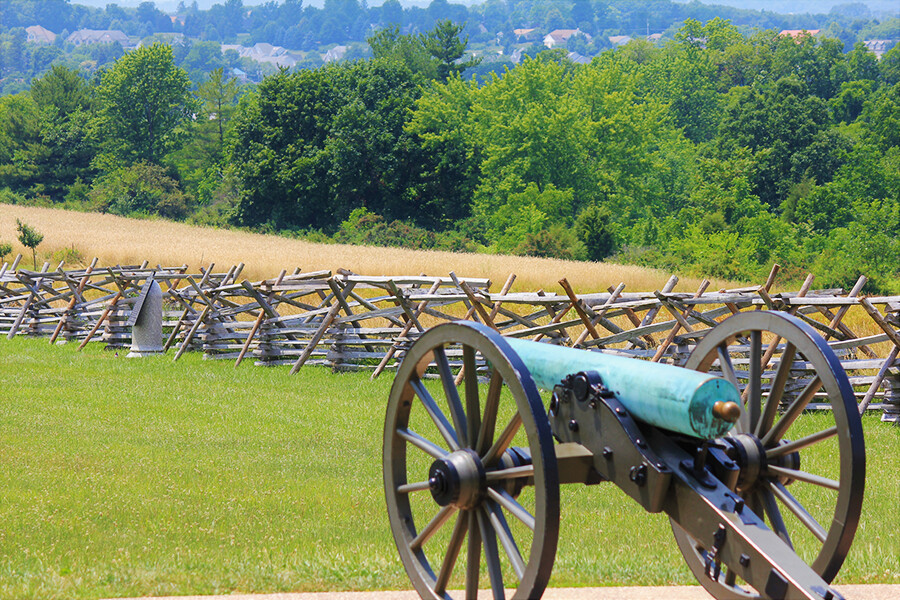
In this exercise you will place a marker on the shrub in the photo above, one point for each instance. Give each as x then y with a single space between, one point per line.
595 231
367 228
141 189
555 242
70 254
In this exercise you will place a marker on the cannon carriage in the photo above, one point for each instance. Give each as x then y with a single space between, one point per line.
474 457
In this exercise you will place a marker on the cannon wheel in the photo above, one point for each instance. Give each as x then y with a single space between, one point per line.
452 473
788 451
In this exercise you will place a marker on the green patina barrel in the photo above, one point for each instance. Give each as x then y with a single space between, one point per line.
662 395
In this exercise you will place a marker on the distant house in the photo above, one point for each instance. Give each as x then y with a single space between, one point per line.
527 34
264 53
579 59
619 40
654 37
799 34
879 47
39 35
172 39
97 36
559 37
335 54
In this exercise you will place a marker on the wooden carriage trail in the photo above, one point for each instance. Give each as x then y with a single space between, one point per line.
354 322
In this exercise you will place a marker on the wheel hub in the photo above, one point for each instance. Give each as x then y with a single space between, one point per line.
458 480
750 455
748 452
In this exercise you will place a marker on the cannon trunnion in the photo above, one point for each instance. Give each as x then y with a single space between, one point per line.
473 461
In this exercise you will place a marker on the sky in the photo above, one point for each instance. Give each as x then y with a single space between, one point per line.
778 6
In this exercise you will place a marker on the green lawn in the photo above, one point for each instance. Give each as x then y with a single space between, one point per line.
137 477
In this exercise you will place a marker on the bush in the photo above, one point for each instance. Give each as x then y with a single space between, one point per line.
140 190
369 229
555 242
70 254
594 229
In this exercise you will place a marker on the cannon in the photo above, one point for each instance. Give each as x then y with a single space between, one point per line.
762 504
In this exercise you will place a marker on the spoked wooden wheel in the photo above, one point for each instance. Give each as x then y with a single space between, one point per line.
472 465
804 476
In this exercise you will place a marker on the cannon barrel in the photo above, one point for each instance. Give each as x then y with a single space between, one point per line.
666 396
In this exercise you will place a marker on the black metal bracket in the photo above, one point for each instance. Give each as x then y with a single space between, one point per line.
584 411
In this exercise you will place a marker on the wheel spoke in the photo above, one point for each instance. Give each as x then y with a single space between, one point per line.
453 548
774 514
491 406
754 385
426 446
799 511
473 558
413 487
501 527
440 419
491 554
802 443
473 403
433 526
503 441
453 400
756 505
728 371
777 389
805 477
510 473
515 509
793 411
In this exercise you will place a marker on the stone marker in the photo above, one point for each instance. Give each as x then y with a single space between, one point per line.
146 333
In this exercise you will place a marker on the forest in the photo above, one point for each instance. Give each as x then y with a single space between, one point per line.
713 153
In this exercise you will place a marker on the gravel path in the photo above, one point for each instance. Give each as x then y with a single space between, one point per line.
850 592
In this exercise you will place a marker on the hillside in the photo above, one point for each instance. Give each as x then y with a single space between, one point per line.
120 240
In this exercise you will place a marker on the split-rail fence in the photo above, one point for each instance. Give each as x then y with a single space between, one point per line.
348 321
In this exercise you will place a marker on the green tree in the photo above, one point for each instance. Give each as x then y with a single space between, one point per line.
594 228
390 44
218 95
68 143
30 238
62 90
444 44
145 102
313 145
5 249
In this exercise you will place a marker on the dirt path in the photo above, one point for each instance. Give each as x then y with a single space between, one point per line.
850 592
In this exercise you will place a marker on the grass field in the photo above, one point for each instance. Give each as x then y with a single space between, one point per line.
117 240
143 477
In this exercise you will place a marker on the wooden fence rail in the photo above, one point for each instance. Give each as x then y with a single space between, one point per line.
354 322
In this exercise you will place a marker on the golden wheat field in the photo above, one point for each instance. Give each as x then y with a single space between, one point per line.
118 240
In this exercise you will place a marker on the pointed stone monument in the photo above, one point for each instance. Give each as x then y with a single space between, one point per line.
146 321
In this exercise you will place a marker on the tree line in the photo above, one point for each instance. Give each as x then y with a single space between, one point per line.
714 154
491 27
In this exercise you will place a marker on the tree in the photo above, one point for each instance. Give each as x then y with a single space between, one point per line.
5 248
219 97
444 44
145 101
388 43
63 90
311 146
593 228
30 238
